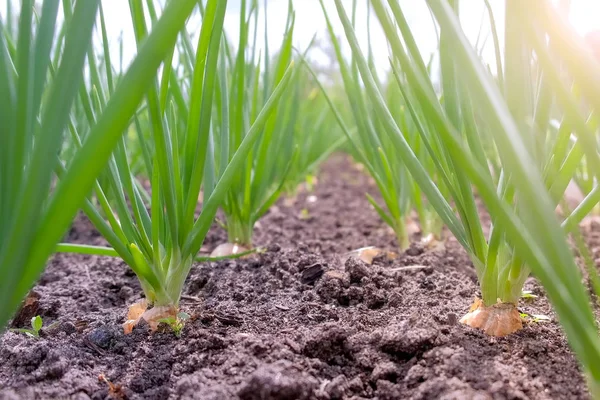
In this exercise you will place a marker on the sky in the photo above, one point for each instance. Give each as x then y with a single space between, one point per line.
585 17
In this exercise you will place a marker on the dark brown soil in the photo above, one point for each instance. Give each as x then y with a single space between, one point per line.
297 322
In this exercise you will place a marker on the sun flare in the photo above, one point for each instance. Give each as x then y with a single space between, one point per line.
585 16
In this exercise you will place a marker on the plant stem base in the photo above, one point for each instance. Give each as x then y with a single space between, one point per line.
432 243
153 316
498 320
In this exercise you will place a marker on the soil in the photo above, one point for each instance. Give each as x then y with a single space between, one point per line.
300 321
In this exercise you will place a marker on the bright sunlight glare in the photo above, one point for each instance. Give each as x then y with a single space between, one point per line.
584 15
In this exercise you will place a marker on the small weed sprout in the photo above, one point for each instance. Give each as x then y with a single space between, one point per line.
36 326
176 323
534 318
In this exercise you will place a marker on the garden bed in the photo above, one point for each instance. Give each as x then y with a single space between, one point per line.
299 321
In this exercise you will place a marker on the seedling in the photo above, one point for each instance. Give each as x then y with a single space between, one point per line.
534 318
304 214
36 326
176 323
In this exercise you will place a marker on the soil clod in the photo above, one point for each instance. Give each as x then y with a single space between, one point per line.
279 381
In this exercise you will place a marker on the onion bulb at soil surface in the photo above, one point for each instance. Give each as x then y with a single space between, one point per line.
412 227
290 201
228 249
499 319
153 316
431 242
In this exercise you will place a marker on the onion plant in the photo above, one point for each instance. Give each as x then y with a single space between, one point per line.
430 223
41 70
158 234
315 132
536 162
246 81
400 192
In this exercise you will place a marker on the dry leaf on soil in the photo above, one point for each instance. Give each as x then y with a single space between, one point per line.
367 254
29 309
135 312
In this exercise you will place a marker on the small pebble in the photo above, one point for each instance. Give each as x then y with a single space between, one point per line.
125 293
311 274
68 327
102 337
